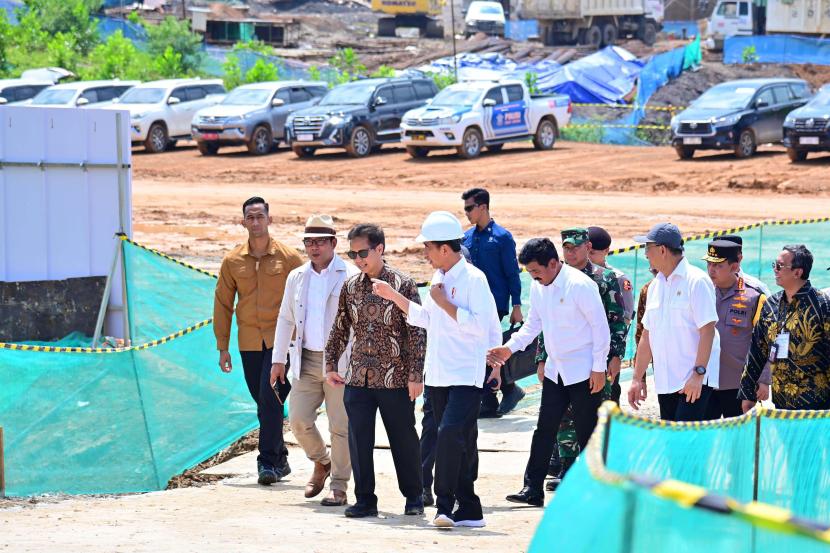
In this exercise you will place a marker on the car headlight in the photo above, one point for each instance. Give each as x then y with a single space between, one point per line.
790 120
726 121
449 120
339 120
234 120
674 122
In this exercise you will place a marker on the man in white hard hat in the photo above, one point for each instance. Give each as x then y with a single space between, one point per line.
462 323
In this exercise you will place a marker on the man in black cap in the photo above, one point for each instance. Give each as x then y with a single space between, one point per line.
600 246
749 279
679 332
739 309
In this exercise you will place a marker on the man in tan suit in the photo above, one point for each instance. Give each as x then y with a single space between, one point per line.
309 306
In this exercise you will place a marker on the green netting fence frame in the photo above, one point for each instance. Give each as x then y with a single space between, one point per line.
754 483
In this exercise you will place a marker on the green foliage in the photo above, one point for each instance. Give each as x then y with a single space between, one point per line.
5 43
69 17
348 65
749 55
532 82
314 73
135 19
443 80
384 71
232 72
169 64
176 37
262 71
582 134
64 51
118 58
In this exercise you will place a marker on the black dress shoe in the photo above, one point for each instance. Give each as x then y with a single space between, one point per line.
429 501
528 496
360 511
552 484
414 506
489 414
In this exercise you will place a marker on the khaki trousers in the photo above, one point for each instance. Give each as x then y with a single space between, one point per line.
307 394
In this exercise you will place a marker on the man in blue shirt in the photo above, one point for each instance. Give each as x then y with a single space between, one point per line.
493 251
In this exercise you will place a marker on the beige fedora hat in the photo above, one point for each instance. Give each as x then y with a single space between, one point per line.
319 226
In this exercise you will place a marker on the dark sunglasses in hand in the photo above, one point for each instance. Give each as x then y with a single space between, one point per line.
362 253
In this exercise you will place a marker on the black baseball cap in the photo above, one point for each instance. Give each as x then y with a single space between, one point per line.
663 234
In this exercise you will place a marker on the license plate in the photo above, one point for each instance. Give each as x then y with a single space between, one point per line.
419 137
808 140
305 137
692 140
210 136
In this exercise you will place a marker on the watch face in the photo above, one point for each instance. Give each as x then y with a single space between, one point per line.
700 370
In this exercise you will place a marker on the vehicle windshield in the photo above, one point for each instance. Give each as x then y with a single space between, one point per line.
355 94
454 98
489 9
53 97
732 96
142 96
821 99
728 9
247 97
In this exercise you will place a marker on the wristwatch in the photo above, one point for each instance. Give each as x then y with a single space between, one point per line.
700 369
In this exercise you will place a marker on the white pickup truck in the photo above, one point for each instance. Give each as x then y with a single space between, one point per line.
472 115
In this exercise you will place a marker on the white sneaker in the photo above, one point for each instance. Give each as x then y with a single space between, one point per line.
443 521
471 523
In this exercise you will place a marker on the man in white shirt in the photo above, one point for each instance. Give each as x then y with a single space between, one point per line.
462 322
679 332
566 304
309 306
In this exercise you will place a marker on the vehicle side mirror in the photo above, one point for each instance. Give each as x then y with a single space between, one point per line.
3 101
761 103
172 101
277 102
81 102
115 100
429 101
488 102
315 101
380 101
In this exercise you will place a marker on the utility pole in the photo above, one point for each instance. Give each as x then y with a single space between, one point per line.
454 54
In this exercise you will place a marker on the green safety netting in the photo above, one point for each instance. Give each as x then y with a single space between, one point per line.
754 483
125 420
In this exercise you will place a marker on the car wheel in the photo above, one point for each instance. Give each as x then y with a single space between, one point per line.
157 139
207 149
417 151
746 144
648 34
471 144
592 37
360 143
495 147
796 155
684 152
545 136
609 34
303 151
261 141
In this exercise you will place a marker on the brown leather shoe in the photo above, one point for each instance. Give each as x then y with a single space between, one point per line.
318 479
335 499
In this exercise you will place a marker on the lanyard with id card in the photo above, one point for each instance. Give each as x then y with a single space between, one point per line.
781 348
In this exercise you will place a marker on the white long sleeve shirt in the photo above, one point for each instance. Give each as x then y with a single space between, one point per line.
457 348
577 339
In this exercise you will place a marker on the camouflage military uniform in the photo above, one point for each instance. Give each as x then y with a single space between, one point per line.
609 291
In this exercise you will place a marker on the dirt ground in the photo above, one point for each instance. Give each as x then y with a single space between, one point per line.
189 206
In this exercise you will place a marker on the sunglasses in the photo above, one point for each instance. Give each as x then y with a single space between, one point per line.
776 266
362 253
308 242
469 208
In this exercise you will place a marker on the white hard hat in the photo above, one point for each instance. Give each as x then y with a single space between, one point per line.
440 226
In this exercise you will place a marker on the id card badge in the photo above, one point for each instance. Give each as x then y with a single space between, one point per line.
782 345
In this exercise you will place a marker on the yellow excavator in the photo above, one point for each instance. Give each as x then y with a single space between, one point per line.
423 14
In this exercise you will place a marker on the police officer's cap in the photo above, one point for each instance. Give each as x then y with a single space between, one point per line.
722 250
732 238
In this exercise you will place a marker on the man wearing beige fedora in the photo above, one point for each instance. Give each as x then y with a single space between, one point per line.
309 306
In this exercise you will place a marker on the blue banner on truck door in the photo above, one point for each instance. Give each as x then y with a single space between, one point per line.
508 119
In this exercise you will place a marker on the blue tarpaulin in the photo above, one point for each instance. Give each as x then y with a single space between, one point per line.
521 29
777 49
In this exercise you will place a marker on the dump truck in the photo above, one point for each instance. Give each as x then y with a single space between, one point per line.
423 14
595 23
745 18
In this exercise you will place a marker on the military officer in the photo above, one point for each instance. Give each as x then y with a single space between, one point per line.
739 308
600 247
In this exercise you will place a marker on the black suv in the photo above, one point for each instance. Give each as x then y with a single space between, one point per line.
358 116
737 115
807 129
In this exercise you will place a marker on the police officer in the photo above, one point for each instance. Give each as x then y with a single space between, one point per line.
576 247
748 279
739 308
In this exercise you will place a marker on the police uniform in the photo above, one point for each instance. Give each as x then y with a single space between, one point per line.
747 278
739 308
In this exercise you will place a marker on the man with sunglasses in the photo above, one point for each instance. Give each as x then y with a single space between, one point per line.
493 251
254 274
793 335
385 372
679 332
309 305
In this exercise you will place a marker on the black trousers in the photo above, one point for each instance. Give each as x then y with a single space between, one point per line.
257 367
429 436
398 415
723 403
456 452
556 397
489 399
674 407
